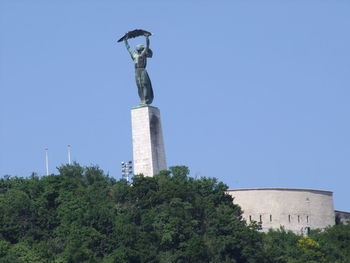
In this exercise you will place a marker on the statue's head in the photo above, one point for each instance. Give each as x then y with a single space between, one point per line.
140 48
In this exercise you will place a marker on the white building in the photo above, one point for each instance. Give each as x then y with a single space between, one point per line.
298 210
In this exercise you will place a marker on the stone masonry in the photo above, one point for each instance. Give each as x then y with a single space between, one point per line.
147 139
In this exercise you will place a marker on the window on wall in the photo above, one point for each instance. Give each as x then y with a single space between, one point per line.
260 217
270 218
298 219
289 218
250 218
307 219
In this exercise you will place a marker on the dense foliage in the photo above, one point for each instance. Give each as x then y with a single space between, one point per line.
83 215
329 246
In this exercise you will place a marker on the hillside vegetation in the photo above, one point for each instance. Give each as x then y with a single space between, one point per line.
83 215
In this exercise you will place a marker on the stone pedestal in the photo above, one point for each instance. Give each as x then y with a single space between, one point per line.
147 140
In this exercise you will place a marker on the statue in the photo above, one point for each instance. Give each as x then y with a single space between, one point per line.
139 57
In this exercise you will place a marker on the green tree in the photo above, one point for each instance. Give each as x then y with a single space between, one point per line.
309 251
15 215
83 215
335 243
175 218
280 245
23 253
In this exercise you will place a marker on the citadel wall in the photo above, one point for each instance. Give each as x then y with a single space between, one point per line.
295 209
342 217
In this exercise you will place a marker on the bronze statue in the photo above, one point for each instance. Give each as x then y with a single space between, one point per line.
139 57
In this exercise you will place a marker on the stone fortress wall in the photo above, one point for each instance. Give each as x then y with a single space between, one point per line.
342 217
298 210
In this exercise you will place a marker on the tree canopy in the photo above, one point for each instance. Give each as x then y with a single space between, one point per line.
83 215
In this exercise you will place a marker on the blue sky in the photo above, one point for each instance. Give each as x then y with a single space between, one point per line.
255 93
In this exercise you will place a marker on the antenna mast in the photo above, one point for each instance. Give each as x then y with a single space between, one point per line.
69 159
47 160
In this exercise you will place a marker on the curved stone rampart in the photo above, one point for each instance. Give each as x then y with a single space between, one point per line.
294 209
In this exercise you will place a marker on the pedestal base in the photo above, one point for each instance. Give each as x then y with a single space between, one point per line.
147 140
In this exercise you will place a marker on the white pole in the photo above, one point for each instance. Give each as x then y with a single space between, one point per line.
69 160
47 160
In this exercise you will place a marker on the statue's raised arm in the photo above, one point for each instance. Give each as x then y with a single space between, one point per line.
131 51
147 44
139 57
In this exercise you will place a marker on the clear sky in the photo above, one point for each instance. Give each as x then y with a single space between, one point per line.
255 93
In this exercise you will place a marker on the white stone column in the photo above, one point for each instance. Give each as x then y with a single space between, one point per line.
147 141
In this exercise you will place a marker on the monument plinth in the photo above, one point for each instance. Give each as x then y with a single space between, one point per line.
147 140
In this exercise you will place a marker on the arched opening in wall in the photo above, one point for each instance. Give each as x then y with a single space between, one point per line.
250 218
307 219
298 219
270 218
260 218
289 218
307 230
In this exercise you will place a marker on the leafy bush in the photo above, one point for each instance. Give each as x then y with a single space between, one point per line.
83 215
